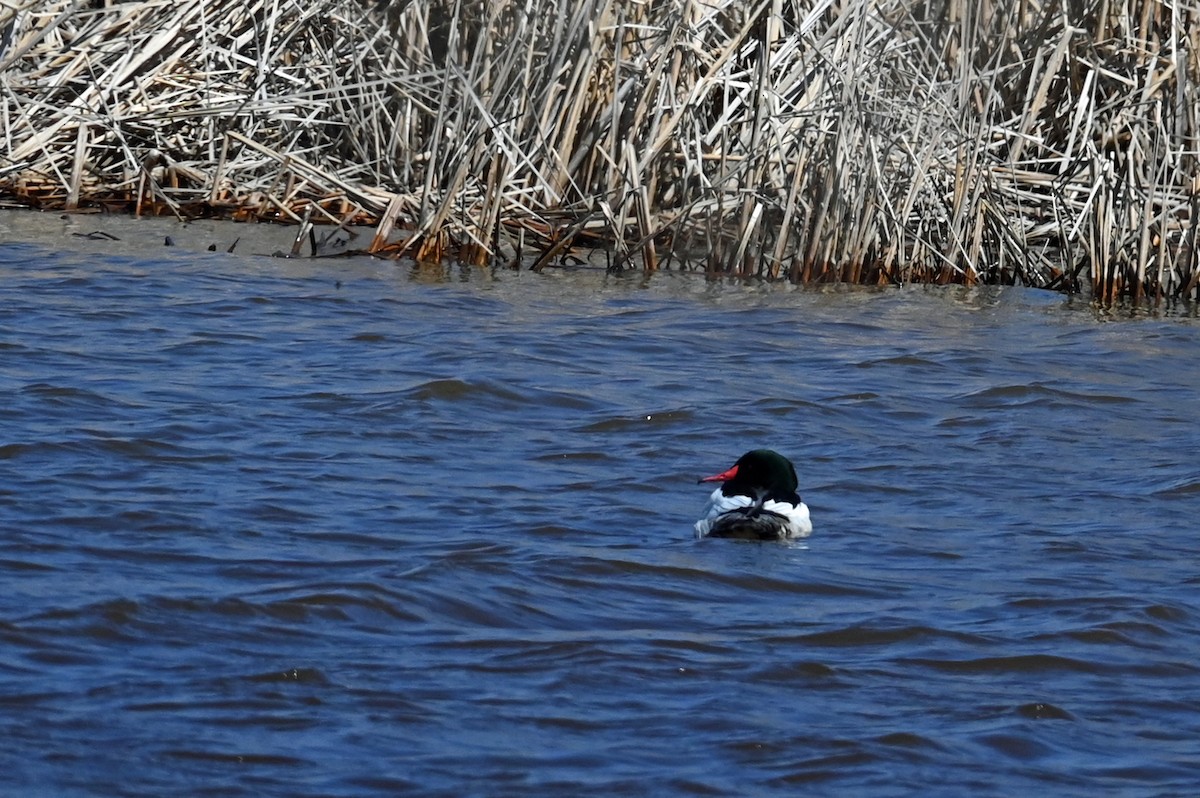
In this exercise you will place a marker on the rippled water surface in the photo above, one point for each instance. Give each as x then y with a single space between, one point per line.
351 528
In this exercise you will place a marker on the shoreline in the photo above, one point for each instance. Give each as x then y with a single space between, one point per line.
868 143
97 234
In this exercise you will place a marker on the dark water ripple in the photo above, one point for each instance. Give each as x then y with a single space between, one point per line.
346 528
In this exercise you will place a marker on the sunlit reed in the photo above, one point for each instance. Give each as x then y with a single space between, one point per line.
1005 141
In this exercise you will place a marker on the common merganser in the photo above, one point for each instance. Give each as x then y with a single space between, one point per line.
757 500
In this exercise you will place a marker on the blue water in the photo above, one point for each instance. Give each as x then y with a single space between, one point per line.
349 528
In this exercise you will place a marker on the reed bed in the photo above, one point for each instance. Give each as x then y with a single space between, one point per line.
1051 144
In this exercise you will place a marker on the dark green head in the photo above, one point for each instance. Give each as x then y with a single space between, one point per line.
761 473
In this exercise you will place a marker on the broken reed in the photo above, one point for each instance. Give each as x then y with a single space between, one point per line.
1004 141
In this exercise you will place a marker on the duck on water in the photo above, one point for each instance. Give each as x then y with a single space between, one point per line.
757 500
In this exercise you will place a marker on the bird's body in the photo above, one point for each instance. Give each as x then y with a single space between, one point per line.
757 500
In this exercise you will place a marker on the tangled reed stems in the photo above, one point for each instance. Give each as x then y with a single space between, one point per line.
1037 142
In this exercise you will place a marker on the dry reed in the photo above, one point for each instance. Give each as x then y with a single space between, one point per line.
889 141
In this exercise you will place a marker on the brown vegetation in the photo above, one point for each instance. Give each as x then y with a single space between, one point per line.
1003 141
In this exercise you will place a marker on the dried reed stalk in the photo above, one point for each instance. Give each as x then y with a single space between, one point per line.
872 141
